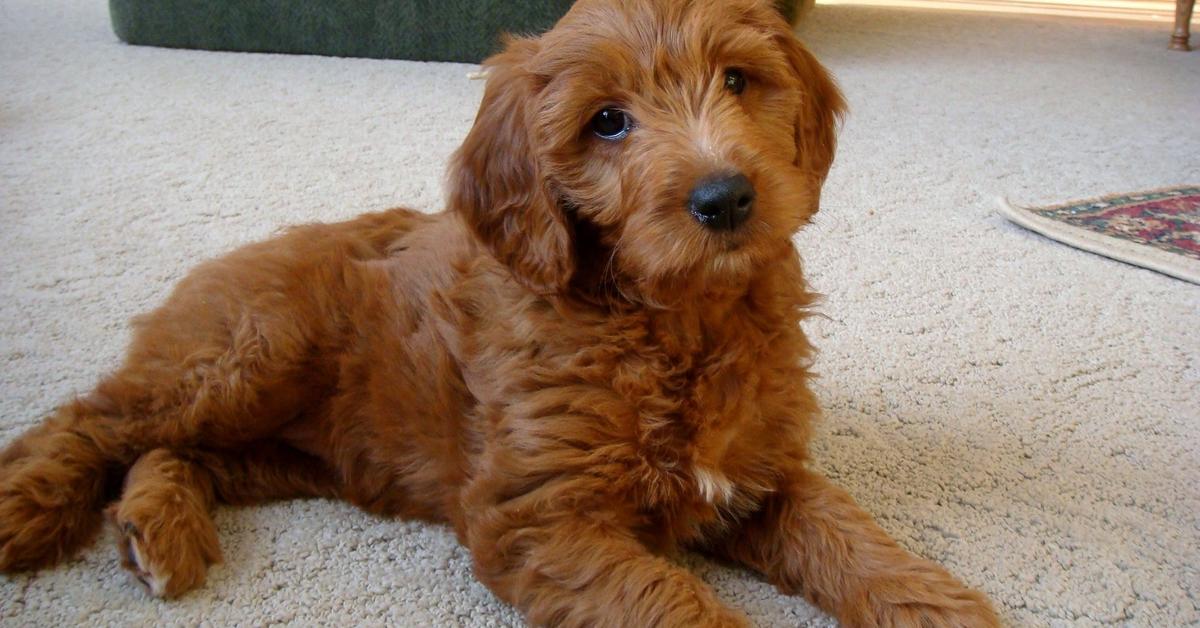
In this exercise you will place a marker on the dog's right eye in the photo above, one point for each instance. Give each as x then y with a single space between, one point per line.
611 124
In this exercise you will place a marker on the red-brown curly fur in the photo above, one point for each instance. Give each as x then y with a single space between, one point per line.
565 366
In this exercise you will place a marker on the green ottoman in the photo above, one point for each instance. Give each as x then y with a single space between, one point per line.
426 30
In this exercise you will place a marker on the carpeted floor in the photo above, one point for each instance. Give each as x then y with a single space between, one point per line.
1022 411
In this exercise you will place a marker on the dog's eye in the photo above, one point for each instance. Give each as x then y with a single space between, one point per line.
611 124
735 81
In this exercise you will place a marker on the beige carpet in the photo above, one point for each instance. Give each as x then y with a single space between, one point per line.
1022 411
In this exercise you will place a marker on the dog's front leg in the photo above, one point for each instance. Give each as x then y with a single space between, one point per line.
582 569
812 538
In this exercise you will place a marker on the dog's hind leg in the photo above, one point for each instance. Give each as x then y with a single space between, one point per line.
163 521
56 478
243 346
228 359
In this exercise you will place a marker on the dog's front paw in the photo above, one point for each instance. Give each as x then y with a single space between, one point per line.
167 550
711 616
725 618
966 609
926 597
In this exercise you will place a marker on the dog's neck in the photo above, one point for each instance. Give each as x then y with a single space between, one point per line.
770 300
698 320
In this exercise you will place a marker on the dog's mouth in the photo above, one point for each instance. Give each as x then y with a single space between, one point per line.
732 242
739 251
741 237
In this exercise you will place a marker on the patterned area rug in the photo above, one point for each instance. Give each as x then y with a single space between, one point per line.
1157 229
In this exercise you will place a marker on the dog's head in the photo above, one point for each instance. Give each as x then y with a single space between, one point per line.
653 143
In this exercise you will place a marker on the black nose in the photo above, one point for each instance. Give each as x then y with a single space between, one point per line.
722 202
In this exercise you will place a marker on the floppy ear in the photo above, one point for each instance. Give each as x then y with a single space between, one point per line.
821 108
496 185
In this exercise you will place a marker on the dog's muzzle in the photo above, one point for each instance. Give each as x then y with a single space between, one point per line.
722 202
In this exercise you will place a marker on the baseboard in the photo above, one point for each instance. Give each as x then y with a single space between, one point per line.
1136 10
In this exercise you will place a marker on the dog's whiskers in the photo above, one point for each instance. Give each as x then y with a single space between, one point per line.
610 270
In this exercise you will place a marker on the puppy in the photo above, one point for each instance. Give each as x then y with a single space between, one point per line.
591 359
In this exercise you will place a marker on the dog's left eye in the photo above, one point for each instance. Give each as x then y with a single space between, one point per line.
611 124
735 81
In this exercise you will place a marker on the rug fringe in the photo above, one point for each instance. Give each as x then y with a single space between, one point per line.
1135 254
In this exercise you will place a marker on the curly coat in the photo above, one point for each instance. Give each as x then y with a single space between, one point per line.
565 365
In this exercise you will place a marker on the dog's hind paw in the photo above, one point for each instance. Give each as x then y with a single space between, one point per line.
153 576
167 552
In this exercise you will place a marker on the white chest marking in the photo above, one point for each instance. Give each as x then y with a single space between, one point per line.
713 485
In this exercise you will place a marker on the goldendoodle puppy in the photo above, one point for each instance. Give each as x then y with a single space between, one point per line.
592 358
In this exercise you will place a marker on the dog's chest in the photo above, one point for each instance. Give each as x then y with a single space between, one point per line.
686 417
699 420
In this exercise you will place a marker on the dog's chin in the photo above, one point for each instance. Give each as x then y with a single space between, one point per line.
730 266
740 255
701 262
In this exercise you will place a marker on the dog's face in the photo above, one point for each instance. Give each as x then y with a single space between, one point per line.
688 138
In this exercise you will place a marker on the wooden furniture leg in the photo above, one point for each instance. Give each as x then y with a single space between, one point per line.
1183 19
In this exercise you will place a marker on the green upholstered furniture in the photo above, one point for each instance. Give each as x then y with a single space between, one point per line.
427 30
